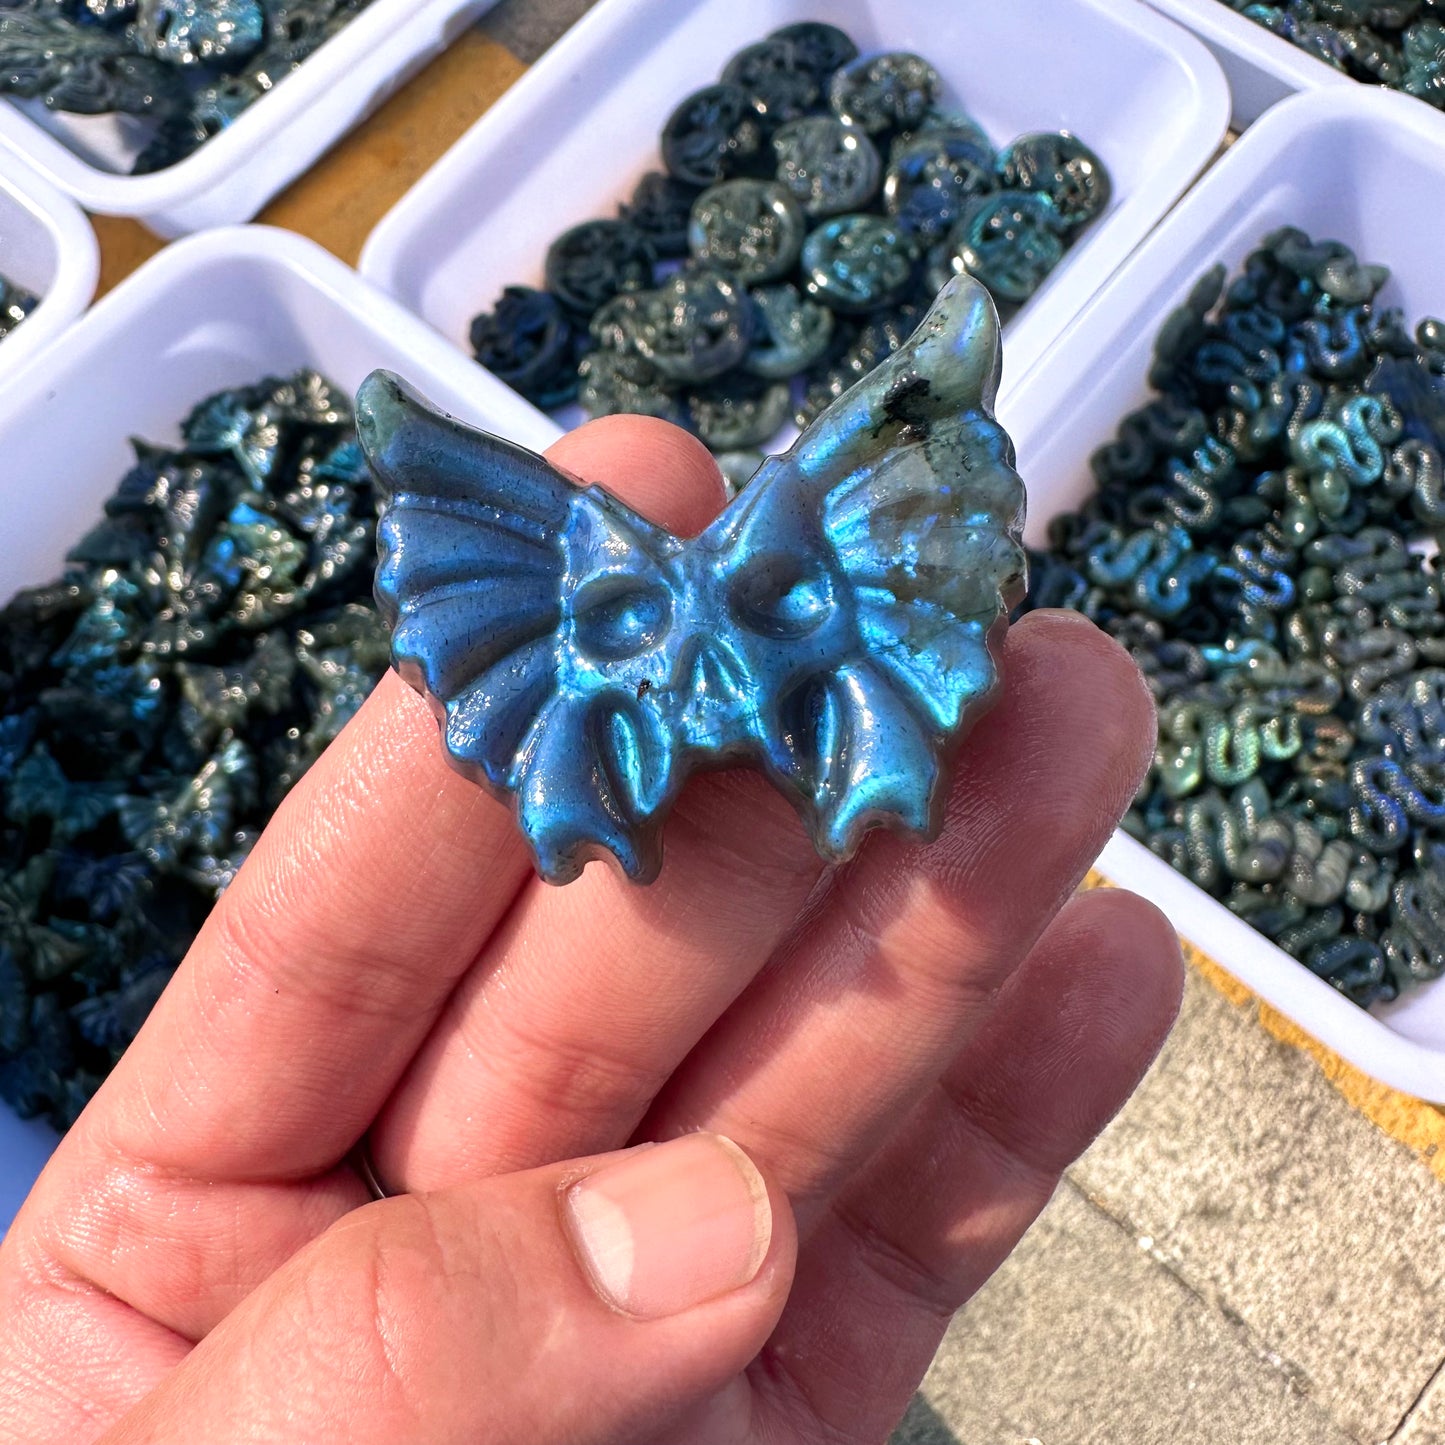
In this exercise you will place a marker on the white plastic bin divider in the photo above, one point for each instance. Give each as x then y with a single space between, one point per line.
1352 164
48 247
218 310
572 136
272 142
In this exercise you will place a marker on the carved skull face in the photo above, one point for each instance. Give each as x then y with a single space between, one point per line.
631 639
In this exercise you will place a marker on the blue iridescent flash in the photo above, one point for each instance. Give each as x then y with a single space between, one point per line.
836 626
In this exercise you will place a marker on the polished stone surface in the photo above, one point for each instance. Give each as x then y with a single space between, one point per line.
836 627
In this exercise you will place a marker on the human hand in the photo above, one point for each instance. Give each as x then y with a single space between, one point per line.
910 1048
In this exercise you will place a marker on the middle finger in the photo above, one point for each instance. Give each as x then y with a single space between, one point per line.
902 965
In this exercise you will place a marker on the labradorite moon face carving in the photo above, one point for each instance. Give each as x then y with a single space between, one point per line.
836 626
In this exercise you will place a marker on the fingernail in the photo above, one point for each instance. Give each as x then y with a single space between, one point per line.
664 1229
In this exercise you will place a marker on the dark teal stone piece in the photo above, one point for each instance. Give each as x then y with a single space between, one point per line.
1060 166
528 341
1258 539
590 264
883 93
778 79
660 209
1011 241
16 304
827 166
932 177
615 377
790 332
610 384
1397 43
821 47
715 133
856 263
944 118
697 325
201 32
1424 61
837 626
739 412
753 229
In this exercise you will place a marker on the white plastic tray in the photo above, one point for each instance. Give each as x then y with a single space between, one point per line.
236 172
1263 68
48 247
1350 164
217 310
571 138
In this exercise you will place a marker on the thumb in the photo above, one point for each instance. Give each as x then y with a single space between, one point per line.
589 1302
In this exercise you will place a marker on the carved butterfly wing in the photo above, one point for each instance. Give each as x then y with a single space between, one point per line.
907 484
475 538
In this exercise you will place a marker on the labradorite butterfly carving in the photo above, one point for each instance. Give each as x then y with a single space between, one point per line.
836 626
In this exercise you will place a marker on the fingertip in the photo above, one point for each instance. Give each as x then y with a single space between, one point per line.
1081 660
1132 947
657 468
1076 1028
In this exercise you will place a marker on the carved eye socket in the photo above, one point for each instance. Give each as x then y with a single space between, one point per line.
619 617
780 596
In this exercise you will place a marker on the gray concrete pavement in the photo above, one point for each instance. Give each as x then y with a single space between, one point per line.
1083 1339
1241 1259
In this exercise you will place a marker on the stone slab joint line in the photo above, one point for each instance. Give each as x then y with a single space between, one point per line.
1295 1376
1412 1415
1414 1123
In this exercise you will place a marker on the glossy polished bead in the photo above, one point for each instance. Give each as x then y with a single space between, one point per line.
697 325
790 334
827 166
527 341
740 412
754 229
836 626
612 384
821 47
1060 166
588 265
1011 241
931 179
197 32
856 263
660 209
881 93
15 305
778 80
712 135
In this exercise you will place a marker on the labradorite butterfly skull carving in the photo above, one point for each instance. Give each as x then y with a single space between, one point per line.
836 626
